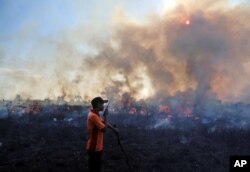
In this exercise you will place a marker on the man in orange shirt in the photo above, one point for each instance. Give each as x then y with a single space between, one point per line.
96 126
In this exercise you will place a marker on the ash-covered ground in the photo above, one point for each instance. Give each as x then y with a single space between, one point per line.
56 142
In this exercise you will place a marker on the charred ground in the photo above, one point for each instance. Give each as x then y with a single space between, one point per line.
45 143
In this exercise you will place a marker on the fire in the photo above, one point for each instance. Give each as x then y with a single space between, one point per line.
187 111
164 108
126 100
132 110
34 108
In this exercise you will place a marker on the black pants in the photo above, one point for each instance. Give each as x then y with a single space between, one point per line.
95 161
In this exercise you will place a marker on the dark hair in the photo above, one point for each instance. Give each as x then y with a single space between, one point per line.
96 101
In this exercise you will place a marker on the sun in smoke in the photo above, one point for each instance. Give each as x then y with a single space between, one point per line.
187 22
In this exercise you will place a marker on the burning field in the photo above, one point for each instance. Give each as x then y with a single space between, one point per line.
52 137
178 81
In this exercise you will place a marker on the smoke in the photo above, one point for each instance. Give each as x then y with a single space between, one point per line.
201 46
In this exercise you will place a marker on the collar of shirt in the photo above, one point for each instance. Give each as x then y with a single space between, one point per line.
92 110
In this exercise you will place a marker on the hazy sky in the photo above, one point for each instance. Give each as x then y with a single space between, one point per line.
50 16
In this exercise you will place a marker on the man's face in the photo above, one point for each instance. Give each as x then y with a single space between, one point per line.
100 106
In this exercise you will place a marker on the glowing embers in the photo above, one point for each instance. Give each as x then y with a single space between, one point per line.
164 108
132 110
164 111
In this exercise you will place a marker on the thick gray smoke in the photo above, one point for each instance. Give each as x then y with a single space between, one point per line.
202 46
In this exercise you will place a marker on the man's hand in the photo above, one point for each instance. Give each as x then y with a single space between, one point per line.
106 113
105 116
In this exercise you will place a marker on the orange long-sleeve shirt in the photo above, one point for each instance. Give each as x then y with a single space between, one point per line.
95 124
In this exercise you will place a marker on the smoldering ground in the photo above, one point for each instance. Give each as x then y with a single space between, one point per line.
41 143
